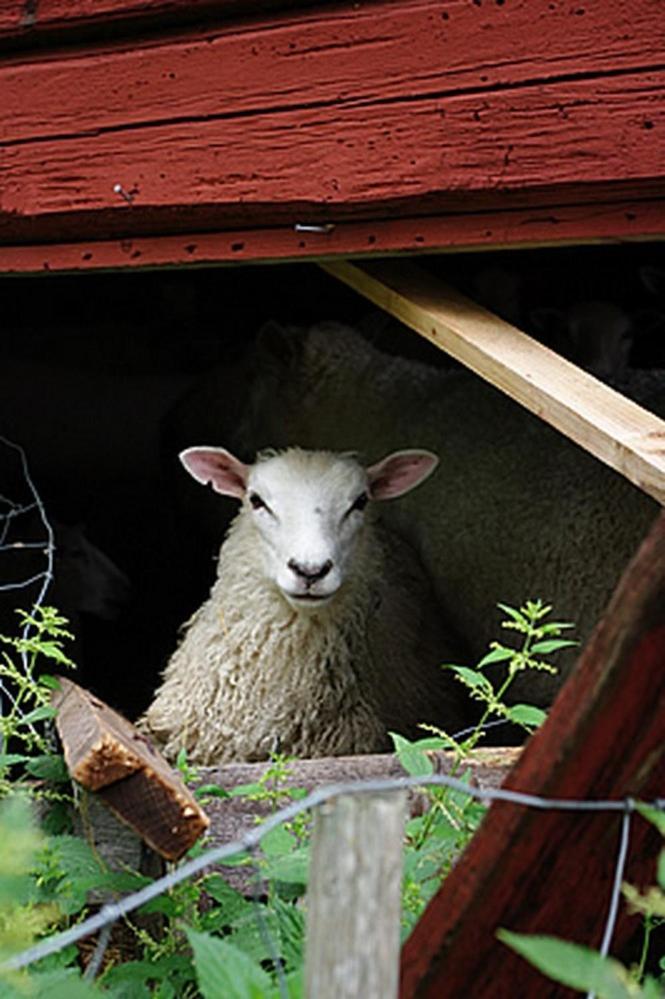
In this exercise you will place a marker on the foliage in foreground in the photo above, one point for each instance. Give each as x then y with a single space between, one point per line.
230 945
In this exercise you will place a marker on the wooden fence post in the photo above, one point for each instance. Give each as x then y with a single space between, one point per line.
354 895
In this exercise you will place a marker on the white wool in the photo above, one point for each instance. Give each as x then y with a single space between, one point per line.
254 674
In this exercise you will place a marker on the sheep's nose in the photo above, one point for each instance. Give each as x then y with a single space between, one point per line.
310 573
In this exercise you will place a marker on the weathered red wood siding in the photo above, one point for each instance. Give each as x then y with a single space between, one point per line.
346 113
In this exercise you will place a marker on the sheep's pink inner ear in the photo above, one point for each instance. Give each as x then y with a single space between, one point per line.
214 465
399 473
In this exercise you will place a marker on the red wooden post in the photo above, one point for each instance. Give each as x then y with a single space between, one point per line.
551 872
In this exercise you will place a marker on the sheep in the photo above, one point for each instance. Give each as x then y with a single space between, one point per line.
596 335
321 633
517 510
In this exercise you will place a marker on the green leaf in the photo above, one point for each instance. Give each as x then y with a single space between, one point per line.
554 627
552 645
230 900
474 679
211 791
291 923
291 867
224 972
496 655
661 870
654 815
413 759
571 964
513 613
11 759
526 714
50 767
50 682
243 790
38 714
277 842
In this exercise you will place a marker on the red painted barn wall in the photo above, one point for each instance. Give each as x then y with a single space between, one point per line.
427 110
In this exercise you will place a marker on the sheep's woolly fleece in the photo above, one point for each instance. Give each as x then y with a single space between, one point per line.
253 675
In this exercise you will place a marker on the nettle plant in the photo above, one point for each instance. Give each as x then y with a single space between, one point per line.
203 937
435 838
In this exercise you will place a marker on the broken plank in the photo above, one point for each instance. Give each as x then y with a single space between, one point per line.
612 428
106 754
550 872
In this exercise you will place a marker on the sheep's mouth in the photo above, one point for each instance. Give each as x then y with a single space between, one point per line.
309 598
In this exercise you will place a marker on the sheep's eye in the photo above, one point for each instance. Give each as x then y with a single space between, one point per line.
360 503
256 502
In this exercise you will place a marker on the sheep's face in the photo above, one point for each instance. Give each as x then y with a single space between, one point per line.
308 509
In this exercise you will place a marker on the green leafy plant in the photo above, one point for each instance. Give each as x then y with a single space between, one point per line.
26 745
436 838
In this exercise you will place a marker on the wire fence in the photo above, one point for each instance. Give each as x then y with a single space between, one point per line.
102 921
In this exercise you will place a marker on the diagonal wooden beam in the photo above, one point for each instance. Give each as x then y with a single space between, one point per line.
614 429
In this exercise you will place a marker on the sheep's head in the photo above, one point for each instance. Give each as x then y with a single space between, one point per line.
308 508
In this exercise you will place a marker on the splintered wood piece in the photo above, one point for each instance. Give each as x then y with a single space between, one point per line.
612 428
551 872
106 754
100 745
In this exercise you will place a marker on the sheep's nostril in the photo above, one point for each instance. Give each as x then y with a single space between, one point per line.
310 573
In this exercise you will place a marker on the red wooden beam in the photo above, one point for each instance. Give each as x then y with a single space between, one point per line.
551 872
24 23
482 231
343 113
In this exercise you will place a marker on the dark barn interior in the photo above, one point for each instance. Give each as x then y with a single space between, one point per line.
93 368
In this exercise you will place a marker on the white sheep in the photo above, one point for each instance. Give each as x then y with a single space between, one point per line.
517 511
321 632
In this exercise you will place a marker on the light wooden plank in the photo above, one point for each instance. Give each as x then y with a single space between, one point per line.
612 428
354 897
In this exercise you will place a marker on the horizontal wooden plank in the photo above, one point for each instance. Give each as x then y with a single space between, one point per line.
562 143
232 818
605 423
342 55
633 221
604 739
22 21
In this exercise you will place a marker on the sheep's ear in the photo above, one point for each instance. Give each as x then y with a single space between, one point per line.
275 346
399 473
214 465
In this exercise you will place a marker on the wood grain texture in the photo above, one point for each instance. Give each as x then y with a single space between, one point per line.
611 427
106 754
354 897
232 818
604 739
350 111
562 226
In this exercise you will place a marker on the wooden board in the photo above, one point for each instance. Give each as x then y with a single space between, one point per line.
614 429
604 739
231 818
558 226
229 127
106 754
